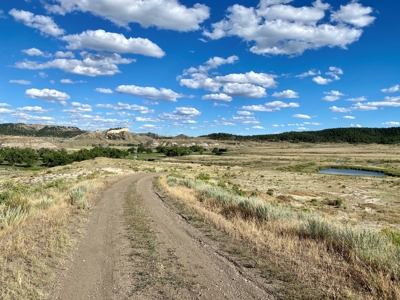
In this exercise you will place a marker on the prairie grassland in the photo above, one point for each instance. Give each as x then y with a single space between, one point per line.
342 261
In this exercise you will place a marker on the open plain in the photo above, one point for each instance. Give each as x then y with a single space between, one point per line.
41 247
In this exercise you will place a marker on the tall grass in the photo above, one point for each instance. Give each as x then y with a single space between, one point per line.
373 249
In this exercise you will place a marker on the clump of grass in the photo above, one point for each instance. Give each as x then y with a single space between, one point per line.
203 176
78 198
270 192
12 216
339 202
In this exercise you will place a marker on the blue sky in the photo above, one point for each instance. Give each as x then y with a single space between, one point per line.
171 67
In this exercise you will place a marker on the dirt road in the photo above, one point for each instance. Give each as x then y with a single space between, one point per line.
103 267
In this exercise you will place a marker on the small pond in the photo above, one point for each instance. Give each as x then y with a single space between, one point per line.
351 172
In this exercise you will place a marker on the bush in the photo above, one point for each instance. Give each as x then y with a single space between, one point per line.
203 176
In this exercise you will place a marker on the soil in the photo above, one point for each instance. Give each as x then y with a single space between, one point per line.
103 267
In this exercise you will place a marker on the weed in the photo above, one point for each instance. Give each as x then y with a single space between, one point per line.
270 192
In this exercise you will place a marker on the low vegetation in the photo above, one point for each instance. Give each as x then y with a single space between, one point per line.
34 231
349 261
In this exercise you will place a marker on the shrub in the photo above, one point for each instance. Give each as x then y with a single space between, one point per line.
203 176
270 192
78 197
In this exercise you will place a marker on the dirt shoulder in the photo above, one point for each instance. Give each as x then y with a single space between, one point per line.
138 247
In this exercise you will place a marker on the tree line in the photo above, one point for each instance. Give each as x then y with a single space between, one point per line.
335 135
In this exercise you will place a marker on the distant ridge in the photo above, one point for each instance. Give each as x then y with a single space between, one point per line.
335 135
36 130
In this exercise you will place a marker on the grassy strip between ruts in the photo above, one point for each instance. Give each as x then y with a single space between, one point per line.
154 270
340 261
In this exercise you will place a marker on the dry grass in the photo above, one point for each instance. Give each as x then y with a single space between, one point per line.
314 261
35 232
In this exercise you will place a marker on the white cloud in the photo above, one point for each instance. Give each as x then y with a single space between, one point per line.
362 107
392 89
349 117
69 81
212 63
150 93
244 113
4 105
321 80
265 80
24 82
332 96
104 91
301 116
77 107
101 40
44 24
245 90
335 70
277 29
67 54
46 94
35 52
357 99
149 102
43 75
164 14
393 124
125 106
270 106
141 119
339 109
258 127
180 113
35 109
149 127
245 119
312 123
355 125
354 13
220 96
286 94
309 73
92 64
220 104
5 111
23 117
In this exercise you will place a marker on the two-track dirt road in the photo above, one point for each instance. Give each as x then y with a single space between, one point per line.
102 266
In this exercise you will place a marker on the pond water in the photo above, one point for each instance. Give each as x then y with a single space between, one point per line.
351 172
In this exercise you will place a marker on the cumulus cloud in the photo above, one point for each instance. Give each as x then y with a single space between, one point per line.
35 52
332 96
164 14
339 109
265 80
392 89
322 80
301 116
247 85
220 97
67 54
150 93
141 119
35 109
101 40
349 117
126 106
357 99
244 113
47 95
273 28
245 90
149 127
69 81
91 64
23 118
355 125
77 107
23 82
104 91
258 127
286 94
270 106
309 73
353 13
180 113
392 124
44 24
